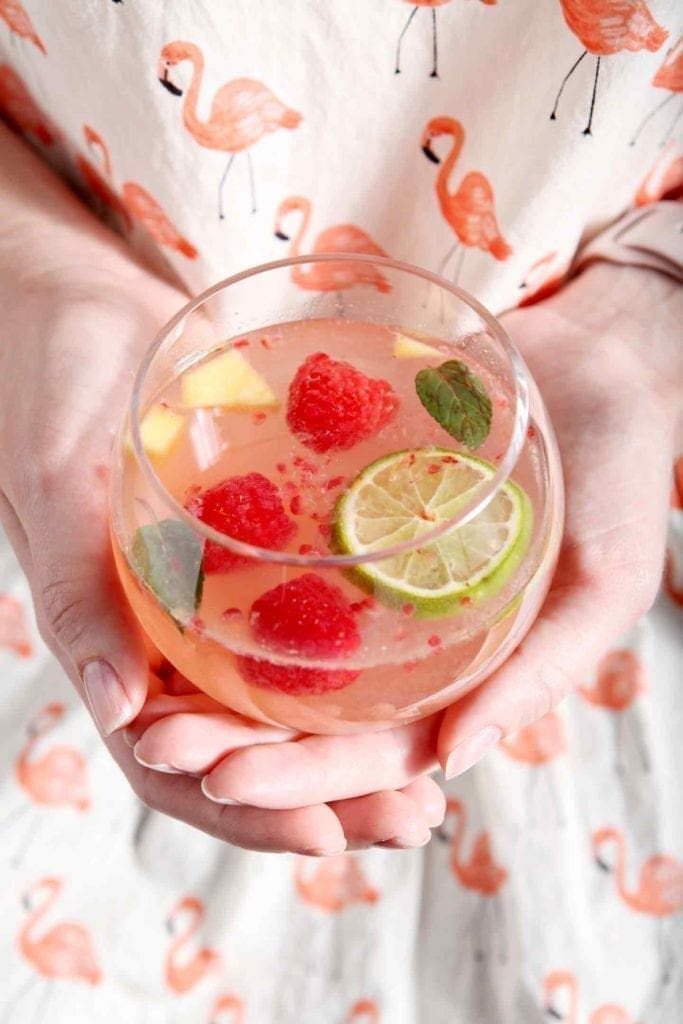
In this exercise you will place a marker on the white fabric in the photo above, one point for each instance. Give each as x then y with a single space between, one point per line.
415 944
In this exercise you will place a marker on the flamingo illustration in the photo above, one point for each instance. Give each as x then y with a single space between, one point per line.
538 745
14 633
20 109
432 5
660 884
342 238
554 982
57 778
619 680
659 891
227 1010
543 279
469 210
365 1011
64 952
605 27
664 180
182 974
673 570
669 76
335 883
481 874
242 111
17 20
135 201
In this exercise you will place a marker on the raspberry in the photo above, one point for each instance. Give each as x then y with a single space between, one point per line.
294 679
332 405
307 617
247 508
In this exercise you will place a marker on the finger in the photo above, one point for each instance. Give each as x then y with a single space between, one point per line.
314 831
317 769
576 626
89 623
194 743
159 707
397 820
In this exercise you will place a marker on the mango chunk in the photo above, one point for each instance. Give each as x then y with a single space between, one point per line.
227 381
408 348
159 430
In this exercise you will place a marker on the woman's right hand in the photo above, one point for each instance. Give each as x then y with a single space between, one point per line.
77 314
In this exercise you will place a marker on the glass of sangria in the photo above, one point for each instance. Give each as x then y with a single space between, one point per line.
335 510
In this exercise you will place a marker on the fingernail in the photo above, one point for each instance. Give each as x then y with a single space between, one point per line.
319 851
471 750
405 842
168 769
129 737
107 698
218 799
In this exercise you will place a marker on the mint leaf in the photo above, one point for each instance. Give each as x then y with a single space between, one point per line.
457 400
168 558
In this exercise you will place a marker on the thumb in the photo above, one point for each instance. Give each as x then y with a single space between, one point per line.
85 618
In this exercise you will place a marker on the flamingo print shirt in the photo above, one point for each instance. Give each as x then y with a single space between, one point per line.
484 139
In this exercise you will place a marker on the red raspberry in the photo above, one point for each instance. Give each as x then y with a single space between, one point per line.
294 679
307 617
332 405
247 508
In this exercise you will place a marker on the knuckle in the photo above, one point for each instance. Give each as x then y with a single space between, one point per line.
66 611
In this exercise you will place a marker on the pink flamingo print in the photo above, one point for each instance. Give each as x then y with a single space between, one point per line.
335 883
659 890
183 974
365 1011
227 1010
543 279
17 20
619 681
135 201
65 952
430 5
605 27
342 238
669 76
554 982
470 209
537 745
664 180
242 111
480 874
58 778
14 633
20 109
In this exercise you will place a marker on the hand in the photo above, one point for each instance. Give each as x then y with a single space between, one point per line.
607 381
78 313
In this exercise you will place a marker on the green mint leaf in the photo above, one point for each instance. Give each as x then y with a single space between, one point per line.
168 558
457 400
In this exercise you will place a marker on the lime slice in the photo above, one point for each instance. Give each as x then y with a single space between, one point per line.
406 494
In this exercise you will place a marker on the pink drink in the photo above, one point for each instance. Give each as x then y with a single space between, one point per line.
404 665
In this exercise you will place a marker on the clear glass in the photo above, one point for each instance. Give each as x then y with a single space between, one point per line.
381 657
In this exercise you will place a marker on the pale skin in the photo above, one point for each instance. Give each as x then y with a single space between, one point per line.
606 356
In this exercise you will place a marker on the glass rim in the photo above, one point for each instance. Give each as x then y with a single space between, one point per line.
483 494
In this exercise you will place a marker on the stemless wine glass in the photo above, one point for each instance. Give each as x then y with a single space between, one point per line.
335 510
